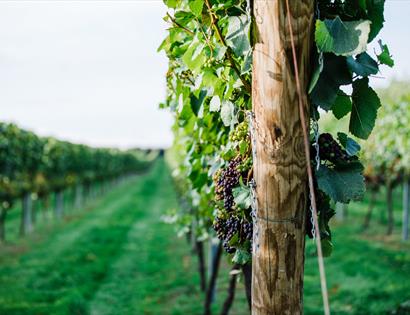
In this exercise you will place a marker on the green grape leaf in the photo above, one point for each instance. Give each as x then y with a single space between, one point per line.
219 52
215 165
342 38
241 257
243 147
384 57
352 147
325 214
342 105
318 68
324 95
172 4
198 179
228 154
353 166
365 104
363 5
196 7
349 144
194 57
375 13
215 104
242 196
183 17
342 137
351 8
341 185
363 65
323 37
185 115
197 100
247 63
335 73
237 36
228 113
327 247
210 81
164 45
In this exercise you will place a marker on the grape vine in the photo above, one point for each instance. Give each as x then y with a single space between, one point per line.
209 46
41 166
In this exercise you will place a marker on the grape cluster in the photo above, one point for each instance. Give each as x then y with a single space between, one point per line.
225 232
245 165
241 132
219 184
247 230
225 181
231 225
226 229
330 150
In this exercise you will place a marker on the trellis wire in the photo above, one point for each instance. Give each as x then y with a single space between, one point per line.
315 127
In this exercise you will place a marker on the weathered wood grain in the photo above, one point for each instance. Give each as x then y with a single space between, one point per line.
280 168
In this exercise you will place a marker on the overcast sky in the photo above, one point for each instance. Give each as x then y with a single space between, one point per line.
88 71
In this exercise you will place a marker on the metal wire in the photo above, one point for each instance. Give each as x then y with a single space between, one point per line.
252 185
315 127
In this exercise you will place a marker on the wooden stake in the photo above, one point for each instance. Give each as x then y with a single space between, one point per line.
390 213
280 164
406 207
26 225
59 207
3 215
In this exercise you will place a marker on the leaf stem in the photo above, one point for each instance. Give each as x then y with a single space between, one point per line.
179 25
205 36
229 52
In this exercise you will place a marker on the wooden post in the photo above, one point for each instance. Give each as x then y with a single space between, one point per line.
215 253
247 281
3 214
368 216
280 164
201 264
390 210
235 271
59 207
45 204
406 206
214 259
78 203
339 212
26 225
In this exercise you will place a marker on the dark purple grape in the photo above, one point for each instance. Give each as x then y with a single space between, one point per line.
226 180
228 225
330 150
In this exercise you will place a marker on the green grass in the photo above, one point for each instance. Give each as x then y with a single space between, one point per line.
365 276
117 257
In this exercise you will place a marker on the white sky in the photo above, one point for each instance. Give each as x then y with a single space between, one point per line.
88 71
85 71
396 34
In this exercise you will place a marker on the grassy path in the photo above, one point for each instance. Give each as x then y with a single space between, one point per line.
118 258
109 260
147 275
